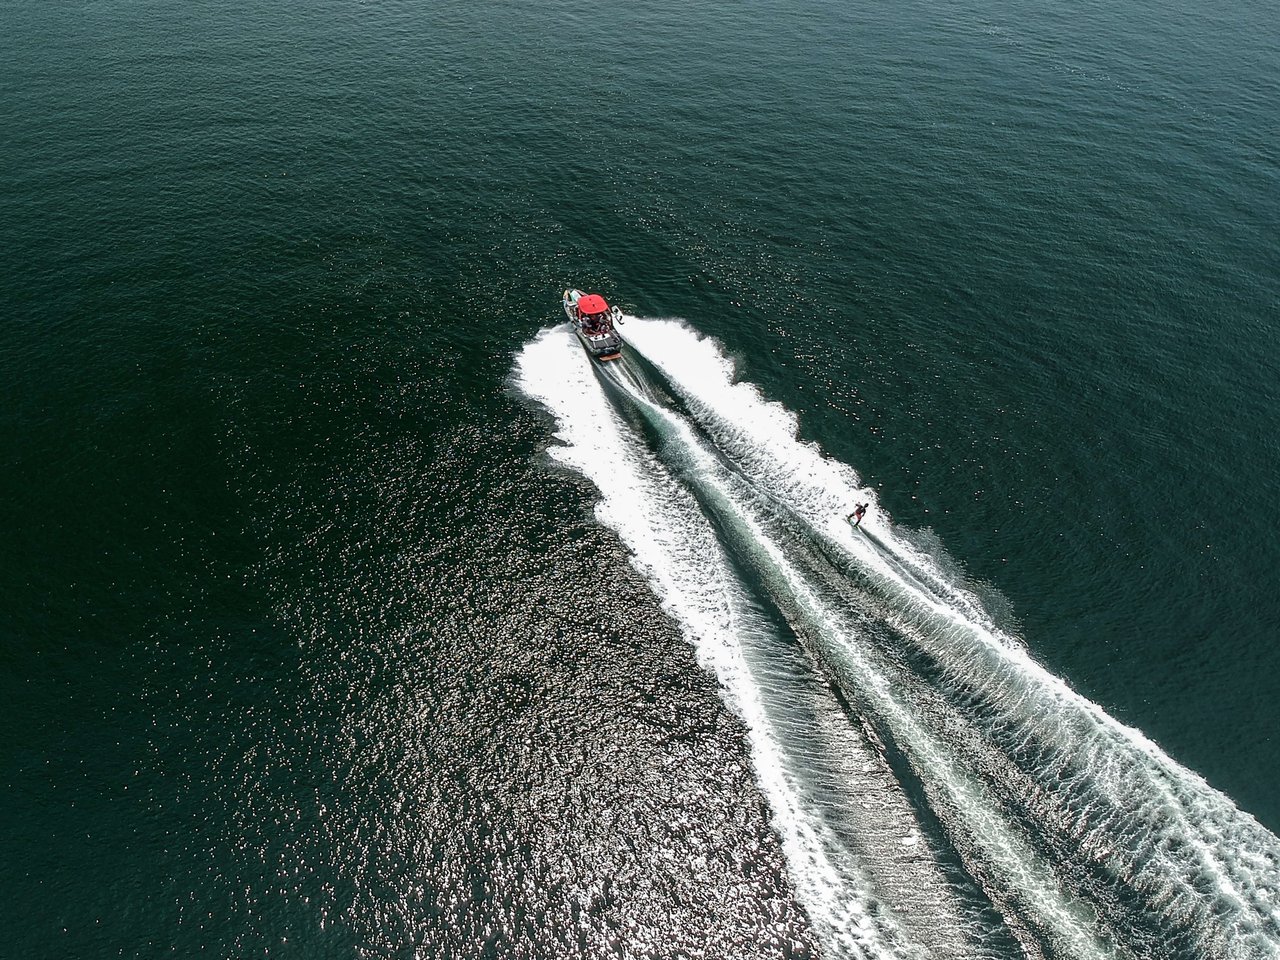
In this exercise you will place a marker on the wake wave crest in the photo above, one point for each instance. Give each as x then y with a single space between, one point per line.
1078 832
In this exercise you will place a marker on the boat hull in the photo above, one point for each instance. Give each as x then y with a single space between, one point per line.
604 346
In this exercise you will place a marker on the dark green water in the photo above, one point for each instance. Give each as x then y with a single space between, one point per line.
290 664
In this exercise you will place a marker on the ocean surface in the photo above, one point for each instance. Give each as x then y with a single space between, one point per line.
347 610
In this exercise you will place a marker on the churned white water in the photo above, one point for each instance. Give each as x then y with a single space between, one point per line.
1079 833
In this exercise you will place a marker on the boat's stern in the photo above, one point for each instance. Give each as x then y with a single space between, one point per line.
602 347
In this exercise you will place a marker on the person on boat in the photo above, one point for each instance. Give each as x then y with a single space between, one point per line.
859 512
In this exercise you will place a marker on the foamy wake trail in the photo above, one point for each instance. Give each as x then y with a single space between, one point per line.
1086 839
675 547
1124 825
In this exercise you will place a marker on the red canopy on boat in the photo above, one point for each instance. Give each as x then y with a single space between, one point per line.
592 303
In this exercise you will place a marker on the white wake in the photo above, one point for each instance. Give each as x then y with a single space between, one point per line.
1077 828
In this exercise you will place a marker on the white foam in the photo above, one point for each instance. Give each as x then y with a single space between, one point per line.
1197 859
675 548
974 815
